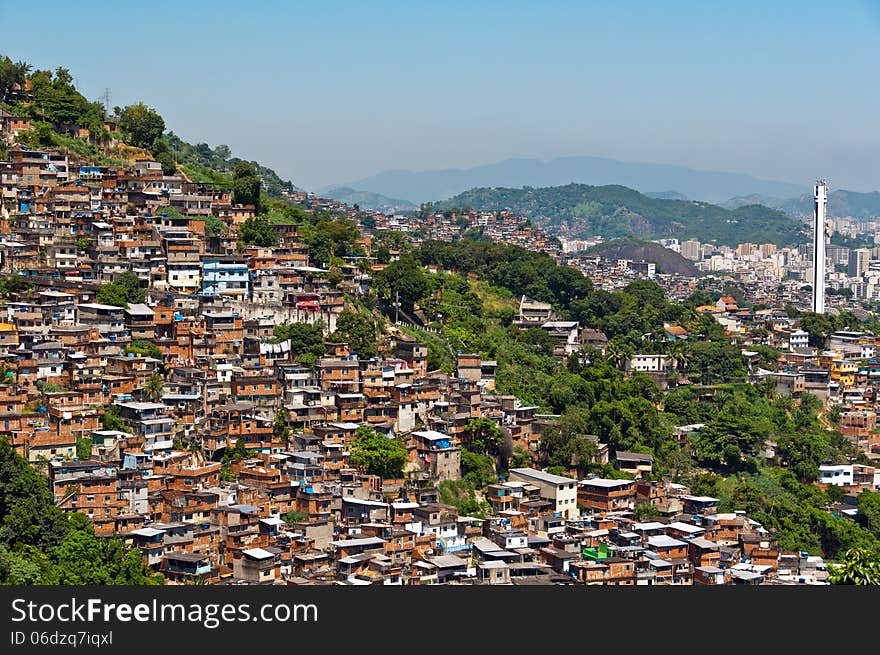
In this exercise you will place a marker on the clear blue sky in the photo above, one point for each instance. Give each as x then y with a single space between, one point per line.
330 91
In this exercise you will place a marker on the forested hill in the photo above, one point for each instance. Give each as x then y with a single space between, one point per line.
580 210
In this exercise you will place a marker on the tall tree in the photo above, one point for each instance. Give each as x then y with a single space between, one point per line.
377 454
246 185
154 388
403 279
358 329
142 124
280 427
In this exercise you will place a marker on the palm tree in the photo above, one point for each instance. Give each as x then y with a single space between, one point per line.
22 70
154 388
678 352
612 352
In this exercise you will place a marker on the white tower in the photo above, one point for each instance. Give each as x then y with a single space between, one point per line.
820 194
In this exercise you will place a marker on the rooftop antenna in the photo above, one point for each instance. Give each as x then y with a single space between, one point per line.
106 100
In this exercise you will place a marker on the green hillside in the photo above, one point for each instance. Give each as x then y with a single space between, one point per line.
580 210
205 164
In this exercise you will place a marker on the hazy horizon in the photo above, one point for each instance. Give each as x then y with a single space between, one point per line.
328 93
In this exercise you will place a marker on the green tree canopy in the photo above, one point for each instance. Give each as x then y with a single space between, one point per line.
40 544
404 277
125 289
142 124
860 566
259 232
377 454
359 330
246 185
280 426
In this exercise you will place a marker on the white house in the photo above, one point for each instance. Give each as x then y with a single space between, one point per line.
648 363
836 474
558 489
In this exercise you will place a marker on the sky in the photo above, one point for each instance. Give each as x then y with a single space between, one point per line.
332 91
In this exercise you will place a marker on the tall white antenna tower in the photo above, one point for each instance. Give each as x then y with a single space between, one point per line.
820 196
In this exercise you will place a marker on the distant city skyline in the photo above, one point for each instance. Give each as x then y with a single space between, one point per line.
327 93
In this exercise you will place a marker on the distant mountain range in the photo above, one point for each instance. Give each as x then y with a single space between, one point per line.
710 186
841 204
369 200
580 210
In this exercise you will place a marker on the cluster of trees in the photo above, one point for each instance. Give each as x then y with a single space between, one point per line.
795 512
306 340
231 455
57 101
13 75
141 125
281 425
216 165
145 348
12 285
259 232
359 328
819 326
246 186
403 279
125 289
519 270
112 419
377 454
41 544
